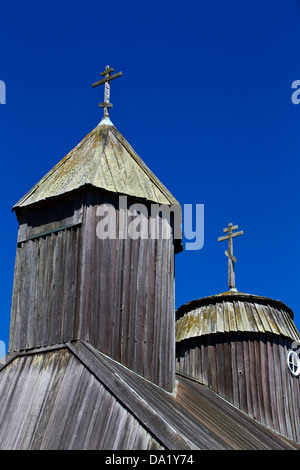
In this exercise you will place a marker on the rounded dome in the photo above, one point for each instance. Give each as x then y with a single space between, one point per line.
234 311
239 346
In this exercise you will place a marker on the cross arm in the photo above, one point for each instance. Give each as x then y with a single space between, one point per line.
105 105
237 234
229 255
220 239
106 79
234 227
231 235
106 71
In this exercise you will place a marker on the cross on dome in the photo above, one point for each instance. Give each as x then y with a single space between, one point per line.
106 80
229 253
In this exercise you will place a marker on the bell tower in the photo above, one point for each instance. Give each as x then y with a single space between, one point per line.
95 256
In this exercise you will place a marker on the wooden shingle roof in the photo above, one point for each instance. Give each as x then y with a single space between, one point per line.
232 312
71 396
105 160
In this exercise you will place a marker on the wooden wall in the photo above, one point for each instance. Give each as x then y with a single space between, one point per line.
118 294
250 371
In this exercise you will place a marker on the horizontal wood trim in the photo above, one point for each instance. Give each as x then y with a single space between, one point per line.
44 220
48 232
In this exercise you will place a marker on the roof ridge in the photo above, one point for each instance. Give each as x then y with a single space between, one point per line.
84 164
143 165
54 169
144 412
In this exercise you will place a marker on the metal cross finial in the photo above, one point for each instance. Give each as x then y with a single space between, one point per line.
229 253
107 79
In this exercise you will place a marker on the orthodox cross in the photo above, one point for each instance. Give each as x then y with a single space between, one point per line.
229 253
106 80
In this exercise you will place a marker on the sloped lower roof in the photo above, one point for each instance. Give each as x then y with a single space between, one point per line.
105 160
73 397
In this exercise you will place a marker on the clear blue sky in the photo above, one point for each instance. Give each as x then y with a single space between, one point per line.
205 100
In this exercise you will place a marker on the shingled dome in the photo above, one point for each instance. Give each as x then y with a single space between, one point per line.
238 344
235 312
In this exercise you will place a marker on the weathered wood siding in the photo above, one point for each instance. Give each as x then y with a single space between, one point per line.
250 371
116 294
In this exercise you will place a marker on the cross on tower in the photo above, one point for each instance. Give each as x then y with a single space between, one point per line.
107 79
229 253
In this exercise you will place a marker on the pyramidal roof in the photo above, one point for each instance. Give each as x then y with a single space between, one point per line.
105 160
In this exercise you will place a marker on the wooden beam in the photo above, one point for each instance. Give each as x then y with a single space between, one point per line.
237 234
105 105
107 79
226 237
106 71
233 258
230 228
